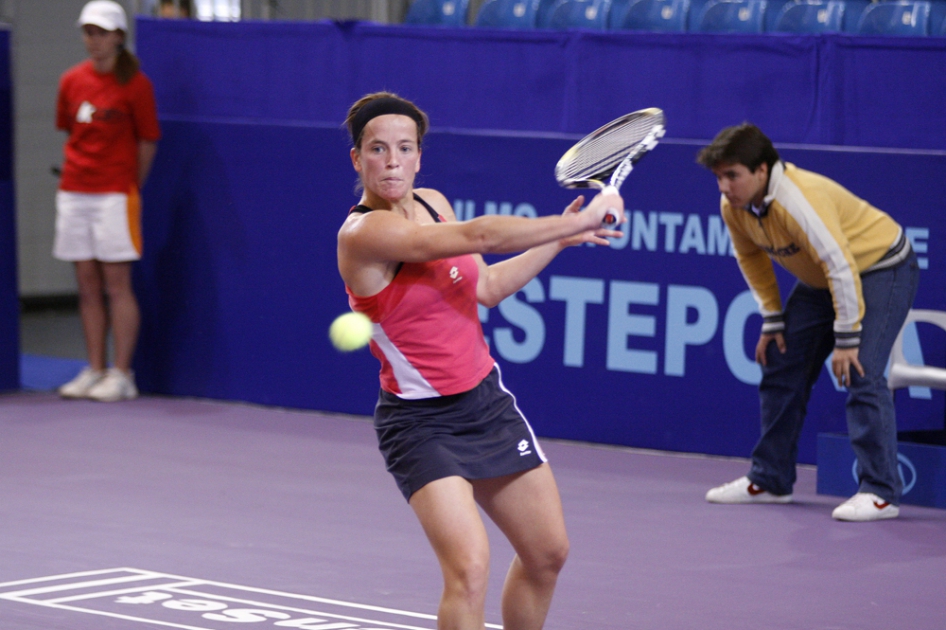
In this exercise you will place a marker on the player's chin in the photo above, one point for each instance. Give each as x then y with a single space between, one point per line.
392 190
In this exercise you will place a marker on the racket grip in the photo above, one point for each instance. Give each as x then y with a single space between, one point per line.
610 220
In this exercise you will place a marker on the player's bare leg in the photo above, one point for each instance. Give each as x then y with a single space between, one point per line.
124 312
528 509
451 520
92 311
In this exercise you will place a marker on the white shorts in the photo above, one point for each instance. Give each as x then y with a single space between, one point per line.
98 226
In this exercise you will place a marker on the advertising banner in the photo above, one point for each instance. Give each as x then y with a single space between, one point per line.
647 343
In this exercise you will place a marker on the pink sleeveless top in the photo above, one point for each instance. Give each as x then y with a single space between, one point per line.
427 331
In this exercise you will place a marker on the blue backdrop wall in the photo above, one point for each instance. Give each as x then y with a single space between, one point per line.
9 299
647 343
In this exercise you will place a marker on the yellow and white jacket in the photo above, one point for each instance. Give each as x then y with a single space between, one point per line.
822 234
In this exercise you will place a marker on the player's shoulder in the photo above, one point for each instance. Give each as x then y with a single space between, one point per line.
361 218
354 224
437 201
430 195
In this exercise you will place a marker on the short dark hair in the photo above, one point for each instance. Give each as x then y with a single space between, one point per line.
741 144
379 103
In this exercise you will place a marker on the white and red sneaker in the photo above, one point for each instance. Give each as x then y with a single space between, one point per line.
865 506
79 386
744 491
115 385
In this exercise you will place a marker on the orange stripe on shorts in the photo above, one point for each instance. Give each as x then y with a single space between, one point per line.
134 218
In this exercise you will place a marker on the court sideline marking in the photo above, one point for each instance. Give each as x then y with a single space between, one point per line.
180 602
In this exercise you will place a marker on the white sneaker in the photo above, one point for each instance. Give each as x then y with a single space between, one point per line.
117 385
865 506
744 491
79 386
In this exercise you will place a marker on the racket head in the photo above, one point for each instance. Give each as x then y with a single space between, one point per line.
594 158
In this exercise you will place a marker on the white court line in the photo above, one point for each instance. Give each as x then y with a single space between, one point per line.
299 610
170 586
64 576
310 598
74 585
103 613
181 587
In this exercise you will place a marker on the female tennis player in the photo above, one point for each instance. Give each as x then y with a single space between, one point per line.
106 105
451 434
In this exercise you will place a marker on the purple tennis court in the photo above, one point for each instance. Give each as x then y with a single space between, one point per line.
196 514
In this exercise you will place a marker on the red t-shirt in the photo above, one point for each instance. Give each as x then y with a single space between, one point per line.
105 122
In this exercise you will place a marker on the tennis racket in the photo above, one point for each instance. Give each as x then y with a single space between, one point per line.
609 154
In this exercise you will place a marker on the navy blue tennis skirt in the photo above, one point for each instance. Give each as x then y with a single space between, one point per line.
478 434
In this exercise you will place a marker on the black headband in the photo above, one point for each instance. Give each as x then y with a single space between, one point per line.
380 107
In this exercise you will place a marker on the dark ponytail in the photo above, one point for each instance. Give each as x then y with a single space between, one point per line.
126 66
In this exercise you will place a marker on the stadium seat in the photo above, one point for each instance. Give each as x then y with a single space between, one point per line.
507 14
938 17
438 12
773 9
906 19
656 15
733 16
904 374
695 14
618 10
580 14
811 16
853 9
543 12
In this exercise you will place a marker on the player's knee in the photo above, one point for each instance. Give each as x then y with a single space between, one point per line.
550 560
469 579
558 555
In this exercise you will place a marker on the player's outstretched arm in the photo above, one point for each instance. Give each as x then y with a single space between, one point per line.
500 280
387 236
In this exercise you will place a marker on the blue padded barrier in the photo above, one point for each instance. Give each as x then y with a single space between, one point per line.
9 295
239 284
252 179
853 91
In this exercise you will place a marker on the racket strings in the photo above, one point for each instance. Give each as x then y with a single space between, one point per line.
601 153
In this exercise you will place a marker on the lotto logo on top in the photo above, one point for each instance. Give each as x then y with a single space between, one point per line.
173 601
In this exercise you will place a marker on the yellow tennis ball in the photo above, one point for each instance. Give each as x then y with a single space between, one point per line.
350 331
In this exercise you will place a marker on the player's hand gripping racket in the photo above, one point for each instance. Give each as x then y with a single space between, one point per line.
611 152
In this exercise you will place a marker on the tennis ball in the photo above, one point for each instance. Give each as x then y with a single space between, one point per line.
350 331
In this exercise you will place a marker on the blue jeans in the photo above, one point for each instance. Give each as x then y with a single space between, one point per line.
788 379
